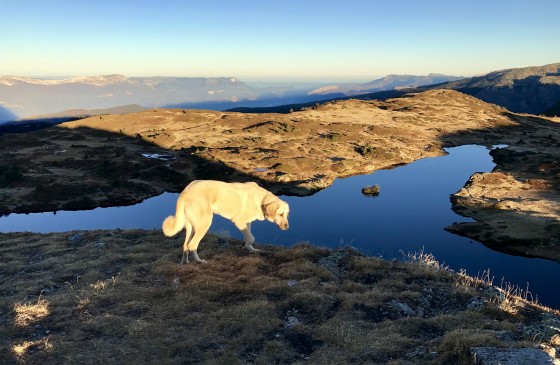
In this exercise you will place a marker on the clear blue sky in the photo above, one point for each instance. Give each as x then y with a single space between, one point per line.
291 39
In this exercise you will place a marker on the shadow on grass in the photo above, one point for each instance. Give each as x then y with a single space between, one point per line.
84 168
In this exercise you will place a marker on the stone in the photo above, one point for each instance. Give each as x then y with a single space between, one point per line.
511 356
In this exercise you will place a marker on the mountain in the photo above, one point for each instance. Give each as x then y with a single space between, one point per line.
533 90
391 82
24 97
523 90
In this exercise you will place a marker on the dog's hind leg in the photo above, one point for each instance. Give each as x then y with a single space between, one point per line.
188 236
202 225
245 228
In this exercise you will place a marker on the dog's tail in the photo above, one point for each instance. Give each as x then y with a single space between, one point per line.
173 224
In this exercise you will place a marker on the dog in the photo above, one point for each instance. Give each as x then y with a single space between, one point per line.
242 203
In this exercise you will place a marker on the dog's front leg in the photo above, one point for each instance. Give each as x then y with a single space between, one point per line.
245 228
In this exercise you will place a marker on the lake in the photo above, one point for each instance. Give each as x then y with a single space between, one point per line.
408 216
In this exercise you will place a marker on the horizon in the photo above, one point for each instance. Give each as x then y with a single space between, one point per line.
247 79
313 41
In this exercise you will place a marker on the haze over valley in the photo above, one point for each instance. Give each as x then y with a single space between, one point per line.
34 98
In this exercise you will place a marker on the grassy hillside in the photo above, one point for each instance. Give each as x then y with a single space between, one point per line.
122 297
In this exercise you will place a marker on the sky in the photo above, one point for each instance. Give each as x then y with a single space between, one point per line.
345 40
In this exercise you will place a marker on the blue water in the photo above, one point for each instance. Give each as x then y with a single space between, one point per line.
408 216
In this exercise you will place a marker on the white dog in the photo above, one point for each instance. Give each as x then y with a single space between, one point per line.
241 203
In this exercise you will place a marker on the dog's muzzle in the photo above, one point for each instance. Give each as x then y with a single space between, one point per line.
284 226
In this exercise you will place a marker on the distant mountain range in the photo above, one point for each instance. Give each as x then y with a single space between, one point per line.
534 90
22 97
33 98
391 82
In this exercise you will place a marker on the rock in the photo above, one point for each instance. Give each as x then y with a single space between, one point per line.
418 352
510 356
475 303
291 321
99 245
402 307
76 237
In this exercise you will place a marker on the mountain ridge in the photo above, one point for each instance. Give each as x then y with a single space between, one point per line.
532 90
389 82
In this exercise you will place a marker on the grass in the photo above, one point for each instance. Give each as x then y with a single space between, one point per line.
122 297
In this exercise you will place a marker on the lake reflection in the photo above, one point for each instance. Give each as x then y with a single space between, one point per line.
409 215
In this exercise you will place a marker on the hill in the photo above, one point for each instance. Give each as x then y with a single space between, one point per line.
530 90
85 113
101 161
533 90
47 120
124 294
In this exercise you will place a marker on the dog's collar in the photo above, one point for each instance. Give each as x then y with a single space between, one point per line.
263 204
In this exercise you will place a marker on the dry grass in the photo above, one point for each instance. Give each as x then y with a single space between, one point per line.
122 297
27 313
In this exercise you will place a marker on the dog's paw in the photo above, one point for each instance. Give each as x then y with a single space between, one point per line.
201 261
252 249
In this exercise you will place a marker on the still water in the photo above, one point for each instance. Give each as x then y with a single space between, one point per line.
408 216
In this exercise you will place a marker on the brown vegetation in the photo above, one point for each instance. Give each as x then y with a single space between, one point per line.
122 297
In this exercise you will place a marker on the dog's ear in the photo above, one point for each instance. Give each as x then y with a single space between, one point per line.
270 209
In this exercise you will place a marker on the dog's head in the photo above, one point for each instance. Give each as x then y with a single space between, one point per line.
276 210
